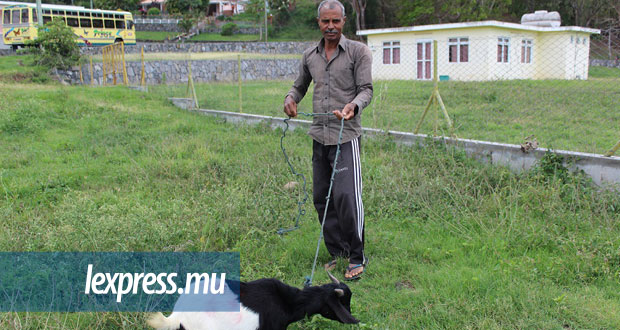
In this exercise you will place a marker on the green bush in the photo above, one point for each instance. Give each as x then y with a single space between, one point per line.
229 29
186 23
153 12
55 47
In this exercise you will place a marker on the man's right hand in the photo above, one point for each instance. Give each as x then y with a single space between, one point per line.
290 106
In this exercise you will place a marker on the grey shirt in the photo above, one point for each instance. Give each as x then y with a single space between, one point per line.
346 78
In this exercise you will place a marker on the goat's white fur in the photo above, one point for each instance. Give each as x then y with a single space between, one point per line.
245 319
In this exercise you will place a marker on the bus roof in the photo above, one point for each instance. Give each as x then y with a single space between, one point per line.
60 7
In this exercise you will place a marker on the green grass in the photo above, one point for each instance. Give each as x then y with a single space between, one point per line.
219 37
287 35
572 115
20 69
155 35
453 243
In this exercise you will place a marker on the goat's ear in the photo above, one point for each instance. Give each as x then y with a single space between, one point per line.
342 313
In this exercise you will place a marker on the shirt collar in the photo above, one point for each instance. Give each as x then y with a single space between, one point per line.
342 43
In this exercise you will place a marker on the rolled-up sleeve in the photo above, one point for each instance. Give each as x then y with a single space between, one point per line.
363 78
303 80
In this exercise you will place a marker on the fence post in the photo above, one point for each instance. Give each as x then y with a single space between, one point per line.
92 73
104 63
435 98
240 82
142 75
613 150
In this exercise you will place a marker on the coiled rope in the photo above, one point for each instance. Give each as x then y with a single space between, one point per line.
300 204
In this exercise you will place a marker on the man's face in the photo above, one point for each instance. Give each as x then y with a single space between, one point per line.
331 23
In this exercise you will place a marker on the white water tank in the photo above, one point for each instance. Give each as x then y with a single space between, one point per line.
542 18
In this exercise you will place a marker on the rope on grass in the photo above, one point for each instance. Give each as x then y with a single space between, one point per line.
300 204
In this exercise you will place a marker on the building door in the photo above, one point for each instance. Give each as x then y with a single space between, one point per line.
424 59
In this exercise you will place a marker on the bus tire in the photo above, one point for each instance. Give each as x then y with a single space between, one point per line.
117 40
14 47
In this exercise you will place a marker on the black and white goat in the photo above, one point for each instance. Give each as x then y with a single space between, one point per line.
267 304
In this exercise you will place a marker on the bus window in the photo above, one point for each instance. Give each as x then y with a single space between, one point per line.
120 24
15 16
97 23
84 14
109 24
7 17
34 16
85 22
46 19
129 25
25 15
72 22
58 12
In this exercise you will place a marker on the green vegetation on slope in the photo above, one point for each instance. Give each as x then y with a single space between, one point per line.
572 115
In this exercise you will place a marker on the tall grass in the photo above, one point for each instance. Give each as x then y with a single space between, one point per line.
571 115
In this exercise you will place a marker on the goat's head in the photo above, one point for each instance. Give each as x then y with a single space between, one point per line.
336 301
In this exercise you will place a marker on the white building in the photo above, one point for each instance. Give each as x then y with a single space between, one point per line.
478 51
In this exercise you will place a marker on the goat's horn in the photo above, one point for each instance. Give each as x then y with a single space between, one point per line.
331 277
339 292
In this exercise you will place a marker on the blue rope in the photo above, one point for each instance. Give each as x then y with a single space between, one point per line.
308 279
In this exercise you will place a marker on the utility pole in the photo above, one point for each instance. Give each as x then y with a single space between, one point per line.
39 14
266 4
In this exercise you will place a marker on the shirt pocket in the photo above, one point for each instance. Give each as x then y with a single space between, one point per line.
344 78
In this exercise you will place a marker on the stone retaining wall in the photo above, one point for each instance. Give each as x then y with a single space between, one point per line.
169 27
174 72
607 63
248 47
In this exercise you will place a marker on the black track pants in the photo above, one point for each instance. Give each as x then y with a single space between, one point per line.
344 224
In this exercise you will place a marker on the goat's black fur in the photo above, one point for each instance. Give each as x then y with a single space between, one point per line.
279 305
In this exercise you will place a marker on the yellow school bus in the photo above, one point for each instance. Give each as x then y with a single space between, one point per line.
91 27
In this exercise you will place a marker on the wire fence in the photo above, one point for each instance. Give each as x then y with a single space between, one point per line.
560 92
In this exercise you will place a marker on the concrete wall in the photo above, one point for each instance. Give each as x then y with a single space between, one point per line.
202 71
602 170
196 47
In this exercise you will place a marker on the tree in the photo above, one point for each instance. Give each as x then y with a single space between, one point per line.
587 12
359 6
446 11
55 46
127 5
187 6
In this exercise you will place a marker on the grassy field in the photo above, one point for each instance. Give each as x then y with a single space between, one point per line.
453 244
287 35
572 115
155 35
219 37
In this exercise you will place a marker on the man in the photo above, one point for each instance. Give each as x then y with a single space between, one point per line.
341 70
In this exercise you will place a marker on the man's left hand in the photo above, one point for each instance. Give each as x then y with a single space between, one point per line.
347 112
